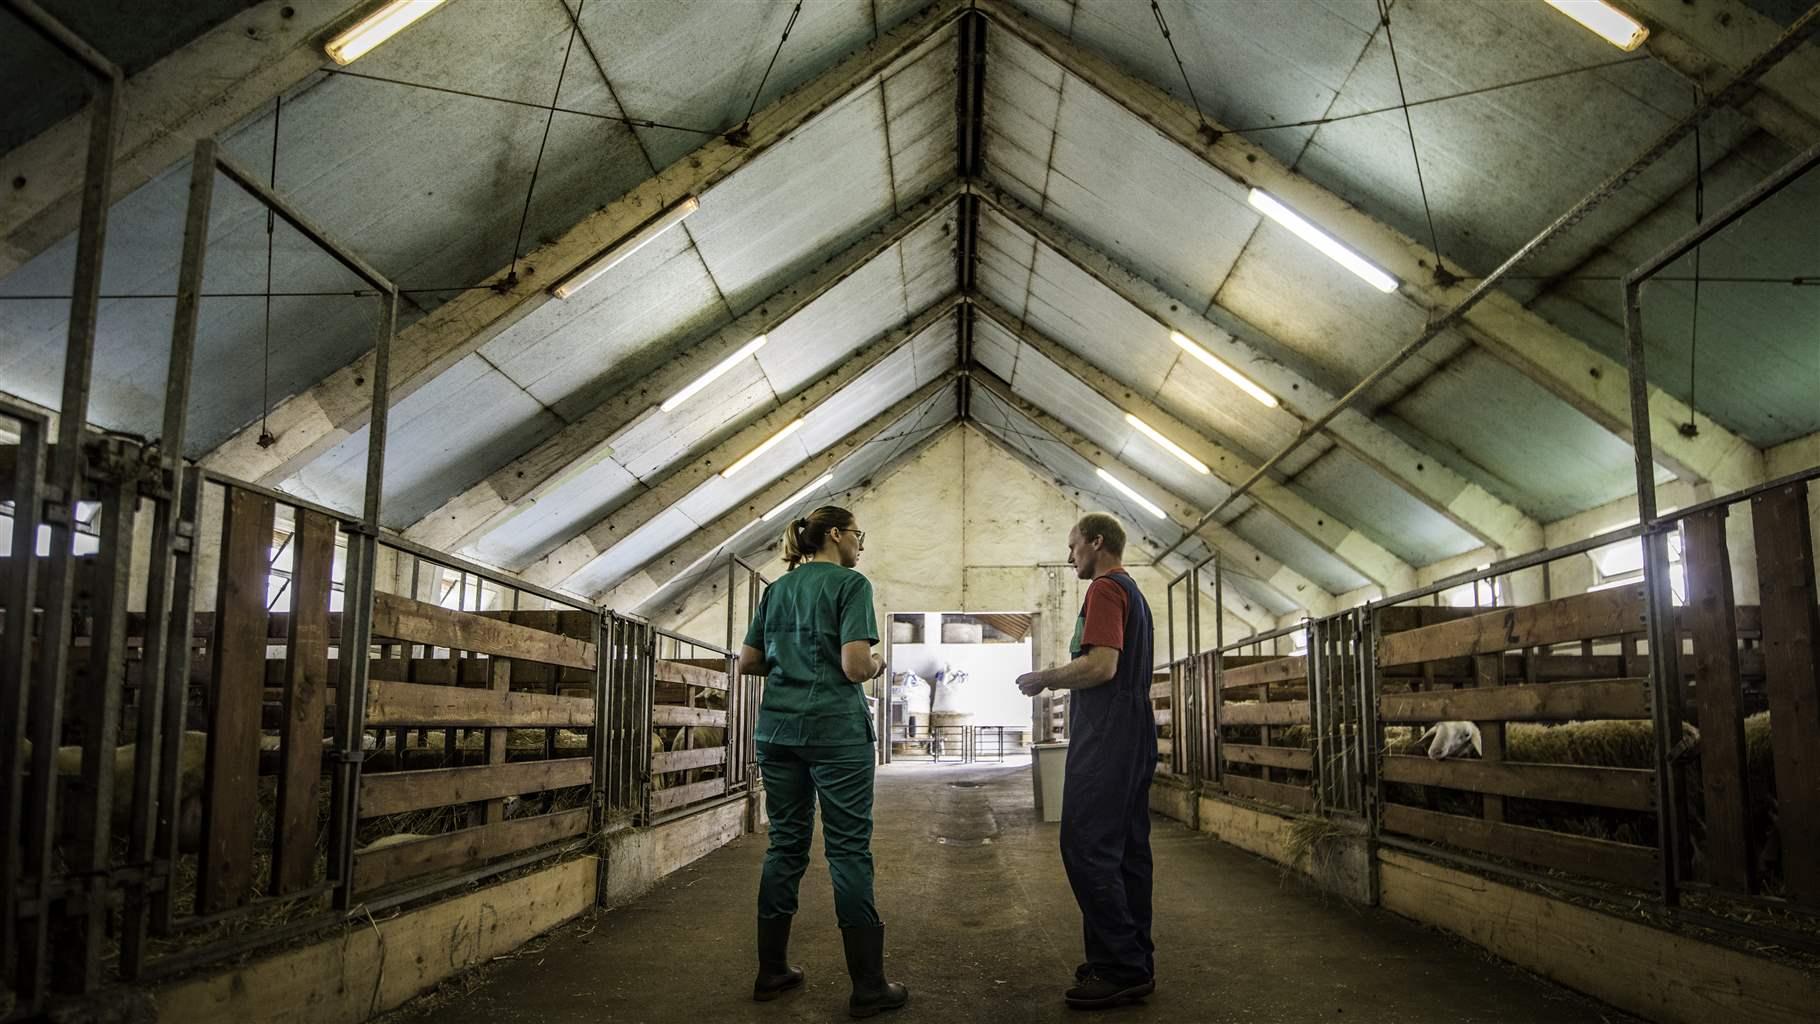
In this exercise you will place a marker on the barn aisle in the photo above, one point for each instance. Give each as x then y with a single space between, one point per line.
982 928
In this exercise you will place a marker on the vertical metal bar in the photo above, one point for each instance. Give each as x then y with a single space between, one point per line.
176 696
97 715
16 665
1216 696
1664 639
161 631
60 500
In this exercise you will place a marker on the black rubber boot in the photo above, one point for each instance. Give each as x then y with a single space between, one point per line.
775 975
866 966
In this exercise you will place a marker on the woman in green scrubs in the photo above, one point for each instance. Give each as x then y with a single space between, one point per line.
811 638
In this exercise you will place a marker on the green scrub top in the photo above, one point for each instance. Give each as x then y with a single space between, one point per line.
801 622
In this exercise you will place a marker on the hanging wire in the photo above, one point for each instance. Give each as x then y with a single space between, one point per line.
1434 238
738 135
636 122
1690 428
1207 130
1316 122
525 215
266 440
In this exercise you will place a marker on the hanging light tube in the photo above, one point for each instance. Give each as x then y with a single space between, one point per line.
1605 21
1214 363
794 498
1167 445
770 442
376 28
1330 246
708 378
1126 490
614 254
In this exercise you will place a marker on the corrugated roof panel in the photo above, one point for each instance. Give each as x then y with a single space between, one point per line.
1212 404
1251 64
852 314
1518 440
1022 95
805 196
936 350
641 311
1144 200
995 349
920 102
1369 502
864 397
640 546
657 441
928 257
698 64
435 445
1080 313
1003 270
1278 539
589 493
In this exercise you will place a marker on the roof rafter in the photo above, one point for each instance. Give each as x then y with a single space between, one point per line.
310 423
690 472
1297 589
1468 505
1567 367
636 586
1352 548
520 483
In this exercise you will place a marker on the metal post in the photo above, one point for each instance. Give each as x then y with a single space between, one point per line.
16 661
62 490
168 534
1214 697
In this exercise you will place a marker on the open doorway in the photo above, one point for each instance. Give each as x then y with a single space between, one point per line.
953 693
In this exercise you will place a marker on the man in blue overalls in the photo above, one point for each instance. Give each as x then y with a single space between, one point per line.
1111 759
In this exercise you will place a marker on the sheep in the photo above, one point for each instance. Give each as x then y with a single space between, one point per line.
192 756
1450 739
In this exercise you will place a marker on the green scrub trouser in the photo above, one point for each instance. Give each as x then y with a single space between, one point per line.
842 777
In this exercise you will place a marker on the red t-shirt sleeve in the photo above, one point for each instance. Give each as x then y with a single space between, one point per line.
1105 612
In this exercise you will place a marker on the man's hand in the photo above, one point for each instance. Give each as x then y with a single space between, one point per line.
1031 683
878 667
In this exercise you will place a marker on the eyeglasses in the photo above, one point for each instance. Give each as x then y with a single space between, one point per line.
858 535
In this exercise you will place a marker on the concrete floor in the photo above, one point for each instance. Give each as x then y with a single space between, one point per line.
982 927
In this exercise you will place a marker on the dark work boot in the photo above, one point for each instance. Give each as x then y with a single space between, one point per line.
775 975
1098 992
866 966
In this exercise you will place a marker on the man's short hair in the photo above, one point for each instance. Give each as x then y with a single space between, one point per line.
1106 528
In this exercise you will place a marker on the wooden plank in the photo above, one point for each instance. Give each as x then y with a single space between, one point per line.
357 973
692 675
1720 694
1540 702
306 687
231 777
1629 789
1164 717
1165 747
1296 758
678 796
1488 672
1580 617
1281 670
402 618
1159 691
1283 712
1621 959
1297 797
1791 668
397 792
432 706
1635 866
668 715
468 847
499 684
683 760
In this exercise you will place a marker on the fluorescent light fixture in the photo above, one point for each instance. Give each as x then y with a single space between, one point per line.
1125 489
384 23
745 460
708 378
1605 21
614 254
1167 445
1244 383
1334 249
798 496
